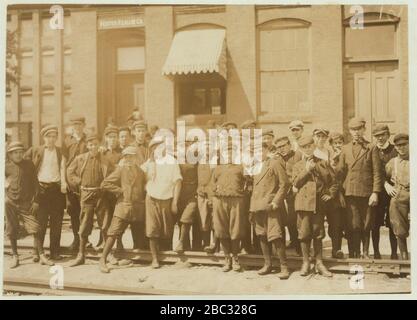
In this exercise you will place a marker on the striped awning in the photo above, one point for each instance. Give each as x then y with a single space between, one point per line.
197 51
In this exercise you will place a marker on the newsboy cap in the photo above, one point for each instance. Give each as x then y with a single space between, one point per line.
91 137
380 129
400 138
247 124
281 141
268 132
334 136
321 130
140 123
129 150
111 129
77 119
48 129
296 124
16 145
356 123
305 141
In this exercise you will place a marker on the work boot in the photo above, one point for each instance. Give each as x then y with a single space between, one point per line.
321 269
235 264
305 249
377 255
15 262
180 248
56 257
103 266
211 249
227 264
78 261
284 273
265 270
43 260
394 256
338 254
35 257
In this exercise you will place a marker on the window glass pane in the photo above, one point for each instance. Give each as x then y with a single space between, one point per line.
371 41
216 100
48 111
26 28
130 58
26 105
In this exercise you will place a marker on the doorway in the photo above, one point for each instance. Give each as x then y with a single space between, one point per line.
372 91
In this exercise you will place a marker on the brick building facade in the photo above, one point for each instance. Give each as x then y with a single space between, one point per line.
269 63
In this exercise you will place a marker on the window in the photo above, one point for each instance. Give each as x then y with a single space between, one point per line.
26 104
48 62
284 67
26 63
371 42
48 106
130 58
202 96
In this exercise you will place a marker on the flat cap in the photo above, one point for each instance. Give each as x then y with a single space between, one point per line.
48 129
16 145
77 119
336 135
281 141
380 129
400 137
228 123
129 150
305 141
268 132
111 129
140 123
356 123
321 130
124 128
248 124
91 137
296 124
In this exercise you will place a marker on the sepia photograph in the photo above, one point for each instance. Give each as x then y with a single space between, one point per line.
206 150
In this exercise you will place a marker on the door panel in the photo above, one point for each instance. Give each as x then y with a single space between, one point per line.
129 95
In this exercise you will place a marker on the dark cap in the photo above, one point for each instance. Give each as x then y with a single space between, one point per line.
92 136
77 119
111 129
380 129
356 123
247 124
321 130
281 141
48 129
305 141
400 138
334 136
16 145
125 128
268 132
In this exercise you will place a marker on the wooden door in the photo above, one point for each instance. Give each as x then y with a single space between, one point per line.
129 95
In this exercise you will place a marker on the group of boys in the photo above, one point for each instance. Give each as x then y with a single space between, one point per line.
133 179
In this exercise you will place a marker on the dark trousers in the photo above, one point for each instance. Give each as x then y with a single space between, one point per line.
360 216
74 210
51 209
137 229
291 219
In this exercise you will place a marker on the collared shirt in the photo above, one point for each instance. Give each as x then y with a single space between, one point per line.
322 154
92 175
386 153
161 177
49 169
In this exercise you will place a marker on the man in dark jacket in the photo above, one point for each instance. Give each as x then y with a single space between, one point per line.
21 187
360 165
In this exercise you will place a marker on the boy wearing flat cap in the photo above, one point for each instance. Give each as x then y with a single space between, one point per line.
230 216
296 128
361 171
21 188
50 166
386 151
163 187
86 174
74 145
316 187
398 188
270 187
290 157
127 184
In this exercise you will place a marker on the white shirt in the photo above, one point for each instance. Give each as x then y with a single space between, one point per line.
161 177
322 154
49 169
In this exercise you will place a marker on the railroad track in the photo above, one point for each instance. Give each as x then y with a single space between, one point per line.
27 286
394 267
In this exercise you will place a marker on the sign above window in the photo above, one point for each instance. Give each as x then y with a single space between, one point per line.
120 21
